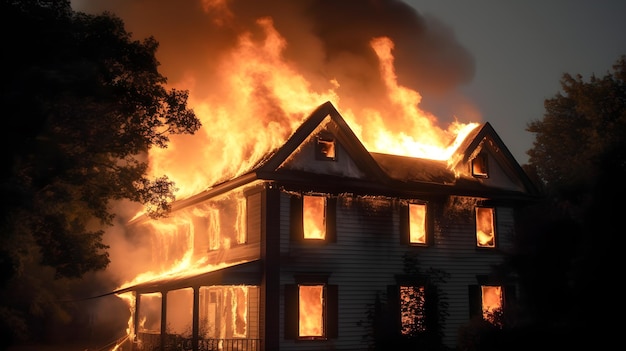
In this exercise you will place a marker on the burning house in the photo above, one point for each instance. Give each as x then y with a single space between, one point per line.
293 254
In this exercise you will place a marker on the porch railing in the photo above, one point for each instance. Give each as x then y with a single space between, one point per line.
152 342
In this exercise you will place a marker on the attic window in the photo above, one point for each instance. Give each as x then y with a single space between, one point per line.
325 148
485 228
479 166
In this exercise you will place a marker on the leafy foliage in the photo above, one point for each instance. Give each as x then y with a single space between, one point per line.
581 135
82 104
570 240
425 332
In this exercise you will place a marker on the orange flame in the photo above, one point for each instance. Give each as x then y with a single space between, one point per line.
260 99
311 307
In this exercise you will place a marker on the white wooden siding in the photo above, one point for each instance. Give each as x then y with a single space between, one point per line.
368 254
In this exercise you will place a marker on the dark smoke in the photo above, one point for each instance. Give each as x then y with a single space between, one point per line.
327 39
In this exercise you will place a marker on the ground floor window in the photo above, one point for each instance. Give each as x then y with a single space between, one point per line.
412 312
311 319
311 309
490 301
228 312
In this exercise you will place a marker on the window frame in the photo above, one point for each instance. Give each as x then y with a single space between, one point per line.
329 313
475 296
405 224
493 224
297 219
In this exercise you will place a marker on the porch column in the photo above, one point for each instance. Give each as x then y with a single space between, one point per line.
135 318
196 319
163 318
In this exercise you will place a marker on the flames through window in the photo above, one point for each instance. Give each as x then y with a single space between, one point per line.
417 223
412 309
311 310
325 148
492 303
485 229
313 216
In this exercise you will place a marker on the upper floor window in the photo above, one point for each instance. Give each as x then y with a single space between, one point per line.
325 148
479 166
313 218
311 309
485 227
414 224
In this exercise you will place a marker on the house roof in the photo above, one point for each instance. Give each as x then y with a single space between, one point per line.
386 172
248 273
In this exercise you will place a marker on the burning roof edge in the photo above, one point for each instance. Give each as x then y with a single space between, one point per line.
247 273
388 169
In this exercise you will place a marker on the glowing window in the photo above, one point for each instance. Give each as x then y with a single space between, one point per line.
313 217
224 311
417 223
412 309
179 311
241 223
149 316
311 311
492 303
485 232
479 166
325 149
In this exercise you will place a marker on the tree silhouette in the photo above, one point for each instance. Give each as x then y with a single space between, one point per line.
82 104
568 256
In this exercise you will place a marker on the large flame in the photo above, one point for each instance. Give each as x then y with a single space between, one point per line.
261 99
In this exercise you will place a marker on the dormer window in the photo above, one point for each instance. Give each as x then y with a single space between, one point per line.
479 166
325 148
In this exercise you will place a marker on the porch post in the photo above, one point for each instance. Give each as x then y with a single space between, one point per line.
163 318
196 319
135 318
